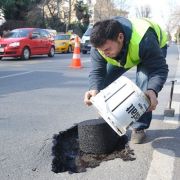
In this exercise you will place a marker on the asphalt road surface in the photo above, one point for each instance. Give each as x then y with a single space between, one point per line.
43 96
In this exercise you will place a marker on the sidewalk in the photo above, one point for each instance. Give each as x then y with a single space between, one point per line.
176 98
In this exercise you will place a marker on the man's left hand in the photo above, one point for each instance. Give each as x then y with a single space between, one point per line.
153 99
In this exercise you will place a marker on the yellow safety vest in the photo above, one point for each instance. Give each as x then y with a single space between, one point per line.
139 28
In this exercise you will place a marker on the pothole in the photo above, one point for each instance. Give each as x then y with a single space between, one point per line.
68 156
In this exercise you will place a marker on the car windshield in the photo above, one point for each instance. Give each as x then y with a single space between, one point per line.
17 33
88 32
62 37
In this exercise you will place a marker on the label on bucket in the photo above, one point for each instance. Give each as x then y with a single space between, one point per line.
120 104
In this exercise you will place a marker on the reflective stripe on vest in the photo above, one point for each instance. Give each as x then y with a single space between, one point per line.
139 28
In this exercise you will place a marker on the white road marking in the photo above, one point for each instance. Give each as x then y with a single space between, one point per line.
16 74
86 61
162 165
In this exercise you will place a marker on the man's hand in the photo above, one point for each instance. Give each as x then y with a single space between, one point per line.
88 96
153 99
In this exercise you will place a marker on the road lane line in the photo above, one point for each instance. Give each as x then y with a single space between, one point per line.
162 165
16 74
86 61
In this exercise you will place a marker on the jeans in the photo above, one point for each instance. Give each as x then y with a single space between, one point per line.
113 72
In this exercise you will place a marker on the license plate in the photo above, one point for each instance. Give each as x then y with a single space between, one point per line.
1 49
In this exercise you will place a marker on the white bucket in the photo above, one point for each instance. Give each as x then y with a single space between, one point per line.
120 104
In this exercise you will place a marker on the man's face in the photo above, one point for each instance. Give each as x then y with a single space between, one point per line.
112 48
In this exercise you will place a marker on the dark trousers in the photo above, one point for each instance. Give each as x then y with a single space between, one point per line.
113 72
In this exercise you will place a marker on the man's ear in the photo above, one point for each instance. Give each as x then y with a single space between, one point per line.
121 37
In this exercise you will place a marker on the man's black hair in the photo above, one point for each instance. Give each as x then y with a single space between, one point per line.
105 30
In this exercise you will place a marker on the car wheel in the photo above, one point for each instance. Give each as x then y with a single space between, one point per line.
51 52
70 50
0 58
25 54
84 52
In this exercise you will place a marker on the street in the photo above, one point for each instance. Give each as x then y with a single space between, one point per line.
42 96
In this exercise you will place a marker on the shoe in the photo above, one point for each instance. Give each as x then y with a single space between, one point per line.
138 137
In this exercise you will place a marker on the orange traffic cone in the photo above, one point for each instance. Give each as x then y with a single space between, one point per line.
76 61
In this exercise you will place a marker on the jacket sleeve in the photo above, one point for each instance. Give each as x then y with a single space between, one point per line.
153 60
98 70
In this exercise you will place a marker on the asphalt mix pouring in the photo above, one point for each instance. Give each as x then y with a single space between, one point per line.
86 145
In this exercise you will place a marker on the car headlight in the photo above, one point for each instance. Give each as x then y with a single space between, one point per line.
14 44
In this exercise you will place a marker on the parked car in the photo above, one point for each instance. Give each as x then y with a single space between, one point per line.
64 43
85 41
53 32
26 42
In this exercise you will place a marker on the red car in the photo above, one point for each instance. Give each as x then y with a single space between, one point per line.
26 42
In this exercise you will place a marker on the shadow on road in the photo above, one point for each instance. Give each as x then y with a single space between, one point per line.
165 139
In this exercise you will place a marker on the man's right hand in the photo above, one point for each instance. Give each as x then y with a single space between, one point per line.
88 96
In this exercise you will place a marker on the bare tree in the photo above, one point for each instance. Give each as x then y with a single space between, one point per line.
2 18
122 6
68 11
52 8
103 9
173 24
174 19
143 11
108 8
58 8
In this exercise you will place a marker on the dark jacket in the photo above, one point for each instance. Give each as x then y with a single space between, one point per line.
151 57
